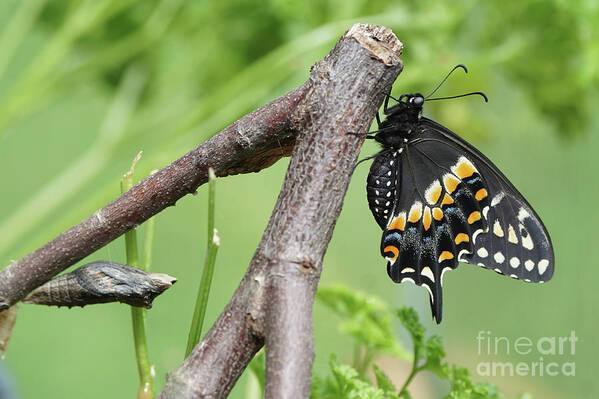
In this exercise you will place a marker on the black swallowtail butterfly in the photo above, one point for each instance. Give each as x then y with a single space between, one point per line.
439 201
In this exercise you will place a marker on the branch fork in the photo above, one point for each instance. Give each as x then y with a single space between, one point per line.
272 305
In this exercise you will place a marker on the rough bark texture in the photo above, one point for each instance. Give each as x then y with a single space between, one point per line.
273 303
252 143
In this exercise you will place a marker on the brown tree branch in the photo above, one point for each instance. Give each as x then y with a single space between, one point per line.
273 303
254 142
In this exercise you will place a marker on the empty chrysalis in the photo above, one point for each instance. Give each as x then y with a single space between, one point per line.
102 282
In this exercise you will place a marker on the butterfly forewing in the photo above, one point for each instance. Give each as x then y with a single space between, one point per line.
516 243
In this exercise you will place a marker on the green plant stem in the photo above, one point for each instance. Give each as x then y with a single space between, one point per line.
369 354
138 315
148 245
195 332
415 370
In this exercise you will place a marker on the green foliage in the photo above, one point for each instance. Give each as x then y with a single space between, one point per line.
428 353
86 84
462 386
347 383
198 66
368 320
360 315
382 380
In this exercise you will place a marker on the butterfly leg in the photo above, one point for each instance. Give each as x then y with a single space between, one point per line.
371 157
386 104
369 135
365 159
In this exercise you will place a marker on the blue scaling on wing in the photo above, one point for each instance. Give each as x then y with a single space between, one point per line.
435 218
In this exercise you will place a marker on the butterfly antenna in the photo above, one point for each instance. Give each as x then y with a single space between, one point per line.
478 93
445 78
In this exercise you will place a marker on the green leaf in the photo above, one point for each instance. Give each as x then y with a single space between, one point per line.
484 390
435 353
369 321
462 386
366 318
409 319
352 386
382 380
347 383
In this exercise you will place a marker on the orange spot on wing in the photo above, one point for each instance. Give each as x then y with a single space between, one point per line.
464 170
474 216
445 255
399 223
450 183
480 194
426 218
393 250
461 237
446 200
437 213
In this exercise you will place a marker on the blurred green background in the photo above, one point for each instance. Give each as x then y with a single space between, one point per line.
85 85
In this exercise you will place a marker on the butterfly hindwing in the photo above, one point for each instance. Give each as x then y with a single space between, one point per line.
431 225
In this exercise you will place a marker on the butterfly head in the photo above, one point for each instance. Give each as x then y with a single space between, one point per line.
413 100
407 111
413 105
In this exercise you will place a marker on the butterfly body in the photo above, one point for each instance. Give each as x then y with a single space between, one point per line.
440 201
394 133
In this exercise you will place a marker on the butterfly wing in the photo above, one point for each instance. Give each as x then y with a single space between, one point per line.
436 214
451 205
517 243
